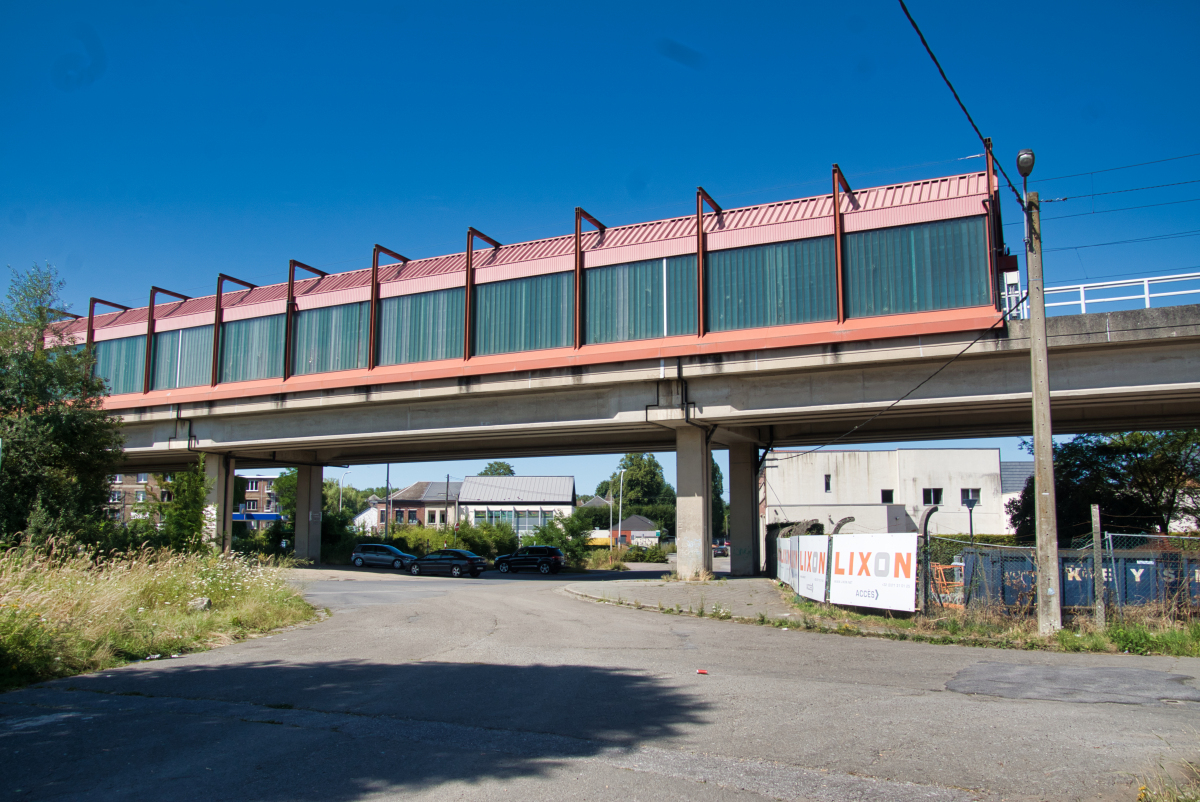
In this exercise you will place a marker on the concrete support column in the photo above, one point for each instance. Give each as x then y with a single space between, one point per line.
309 497
693 502
218 511
743 509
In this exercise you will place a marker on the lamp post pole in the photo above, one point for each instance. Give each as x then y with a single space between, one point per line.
340 489
1046 527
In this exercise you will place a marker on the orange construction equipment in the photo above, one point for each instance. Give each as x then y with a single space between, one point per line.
946 588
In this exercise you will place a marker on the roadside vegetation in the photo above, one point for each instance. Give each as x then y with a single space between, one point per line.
64 613
78 591
1145 630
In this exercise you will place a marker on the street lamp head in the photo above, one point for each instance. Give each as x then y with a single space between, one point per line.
1025 162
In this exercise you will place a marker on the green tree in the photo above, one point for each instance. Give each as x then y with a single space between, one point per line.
718 502
59 444
571 534
644 481
498 468
1141 480
285 491
183 515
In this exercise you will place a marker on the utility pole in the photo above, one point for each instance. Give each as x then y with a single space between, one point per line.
387 502
1097 566
1048 606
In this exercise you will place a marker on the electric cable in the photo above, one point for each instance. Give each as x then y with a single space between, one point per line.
1114 169
927 379
1155 238
961 105
1106 211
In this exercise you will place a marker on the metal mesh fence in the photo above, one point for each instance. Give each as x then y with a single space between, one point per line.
1138 571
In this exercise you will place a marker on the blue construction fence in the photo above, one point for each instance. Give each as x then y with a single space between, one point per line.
1131 576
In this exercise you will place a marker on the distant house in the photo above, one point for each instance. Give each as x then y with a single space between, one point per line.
638 531
419 504
595 501
523 502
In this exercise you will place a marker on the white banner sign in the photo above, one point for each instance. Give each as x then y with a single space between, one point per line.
874 571
802 564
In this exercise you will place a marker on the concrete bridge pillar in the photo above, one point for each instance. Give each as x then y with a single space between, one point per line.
218 511
743 509
309 497
693 502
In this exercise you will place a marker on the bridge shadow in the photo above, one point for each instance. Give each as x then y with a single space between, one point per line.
346 729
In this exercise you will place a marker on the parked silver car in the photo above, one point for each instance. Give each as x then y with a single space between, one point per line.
378 554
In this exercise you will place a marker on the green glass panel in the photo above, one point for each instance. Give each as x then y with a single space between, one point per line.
422 327
624 302
681 295
182 358
330 338
771 285
252 349
917 268
524 314
122 364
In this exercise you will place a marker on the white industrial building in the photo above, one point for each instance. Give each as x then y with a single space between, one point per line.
886 491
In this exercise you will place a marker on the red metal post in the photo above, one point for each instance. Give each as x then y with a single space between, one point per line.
373 327
218 317
154 291
702 198
469 309
91 317
580 216
839 182
993 226
289 311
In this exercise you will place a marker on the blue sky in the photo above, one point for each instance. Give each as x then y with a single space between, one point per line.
165 143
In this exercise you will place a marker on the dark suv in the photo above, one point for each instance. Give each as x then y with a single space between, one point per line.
547 559
375 554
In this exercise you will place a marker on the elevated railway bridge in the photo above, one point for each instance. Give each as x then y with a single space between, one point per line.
788 323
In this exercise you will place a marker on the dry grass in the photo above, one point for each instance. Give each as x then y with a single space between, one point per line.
63 614
608 559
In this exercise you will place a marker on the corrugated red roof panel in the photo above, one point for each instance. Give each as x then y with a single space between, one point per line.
767 214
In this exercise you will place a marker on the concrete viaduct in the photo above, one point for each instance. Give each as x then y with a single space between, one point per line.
1109 371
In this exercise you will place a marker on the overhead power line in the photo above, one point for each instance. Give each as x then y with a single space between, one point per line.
1174 235
961 105
1114 169
1106 211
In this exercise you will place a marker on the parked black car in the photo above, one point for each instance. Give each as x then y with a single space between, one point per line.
547 559
454 562
376 554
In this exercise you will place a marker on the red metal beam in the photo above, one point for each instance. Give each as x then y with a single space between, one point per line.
469 308
702 198
580 216
289 311
373 326
218 318
154 291
839 181
91 316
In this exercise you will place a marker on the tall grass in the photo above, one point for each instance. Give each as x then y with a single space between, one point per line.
67 613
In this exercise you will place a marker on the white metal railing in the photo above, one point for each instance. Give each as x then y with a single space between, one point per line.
1103 292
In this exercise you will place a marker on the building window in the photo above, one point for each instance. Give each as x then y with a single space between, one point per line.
116 480
166 495
140 495
931 496
251 504
970 494
886 497
115 497
252 486
143 478
828 482
412 517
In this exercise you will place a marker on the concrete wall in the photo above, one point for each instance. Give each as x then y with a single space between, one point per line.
857 479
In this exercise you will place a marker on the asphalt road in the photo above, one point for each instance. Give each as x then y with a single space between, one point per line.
505 687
